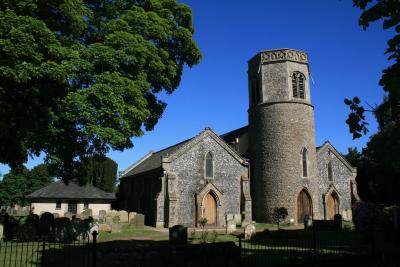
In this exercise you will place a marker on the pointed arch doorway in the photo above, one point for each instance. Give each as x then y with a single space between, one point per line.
209 209
304 206
333 205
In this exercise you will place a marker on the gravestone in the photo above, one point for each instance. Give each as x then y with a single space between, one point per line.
229 217
116 228
1 232
178 235
46 223
139 220
237 218
102 214
132 218
68 215
249 231
86 214
108 219
230 226
123 215
116 219
56 215
104 227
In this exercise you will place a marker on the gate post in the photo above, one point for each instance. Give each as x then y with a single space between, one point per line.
94 263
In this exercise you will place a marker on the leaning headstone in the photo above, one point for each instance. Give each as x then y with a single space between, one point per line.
237 218
230 226
123 215
139 220
178 235
249 231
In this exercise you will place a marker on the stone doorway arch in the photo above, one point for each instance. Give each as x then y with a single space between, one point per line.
209 202
304 206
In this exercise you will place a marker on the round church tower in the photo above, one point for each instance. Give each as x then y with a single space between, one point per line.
282 135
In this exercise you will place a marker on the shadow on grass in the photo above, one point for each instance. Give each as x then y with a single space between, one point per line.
121 253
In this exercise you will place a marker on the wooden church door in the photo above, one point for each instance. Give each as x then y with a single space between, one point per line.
333 205
304 206
210 209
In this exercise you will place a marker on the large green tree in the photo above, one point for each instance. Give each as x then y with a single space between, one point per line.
20 182
379 162
100 172
78 78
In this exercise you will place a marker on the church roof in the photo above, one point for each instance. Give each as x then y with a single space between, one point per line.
153 160
60 190
232 135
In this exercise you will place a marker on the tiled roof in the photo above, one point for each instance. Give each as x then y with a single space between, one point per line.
71 191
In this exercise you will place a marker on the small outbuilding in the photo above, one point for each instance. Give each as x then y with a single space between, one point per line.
60 198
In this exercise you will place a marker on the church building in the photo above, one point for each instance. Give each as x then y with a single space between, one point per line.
271 163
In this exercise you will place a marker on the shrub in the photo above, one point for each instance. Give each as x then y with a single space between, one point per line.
367 216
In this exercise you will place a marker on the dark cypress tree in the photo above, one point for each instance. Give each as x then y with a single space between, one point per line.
100 172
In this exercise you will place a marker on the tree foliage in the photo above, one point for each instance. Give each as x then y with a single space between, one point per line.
20 182
81 77
379 163
101 172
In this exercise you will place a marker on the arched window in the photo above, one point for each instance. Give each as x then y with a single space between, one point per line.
304 162
298 85
330 172
209 165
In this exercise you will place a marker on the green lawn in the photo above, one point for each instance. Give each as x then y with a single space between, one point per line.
129 232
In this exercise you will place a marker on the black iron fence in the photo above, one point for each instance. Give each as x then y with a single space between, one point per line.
49 251
306 247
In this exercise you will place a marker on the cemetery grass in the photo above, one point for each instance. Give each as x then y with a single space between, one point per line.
129 232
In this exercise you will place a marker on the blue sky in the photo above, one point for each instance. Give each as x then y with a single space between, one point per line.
345 61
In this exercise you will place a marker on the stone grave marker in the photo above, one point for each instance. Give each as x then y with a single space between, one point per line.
108 219
237 218
230 226
249 231
102 214
56 215
1 231
116 228
124 216
139 220
178 235
68 215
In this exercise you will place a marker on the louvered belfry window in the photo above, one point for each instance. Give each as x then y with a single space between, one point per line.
298 85
209 165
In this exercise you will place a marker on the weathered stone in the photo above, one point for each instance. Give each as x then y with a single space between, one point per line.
104 227
230 226
116 228
249 231
68 215
102 214
123 216
108 219
1 231
139 220
237 218
56 215
178 235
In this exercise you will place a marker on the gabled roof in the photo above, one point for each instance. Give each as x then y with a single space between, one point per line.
60 190
232 135
154 161
328 145
151 161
